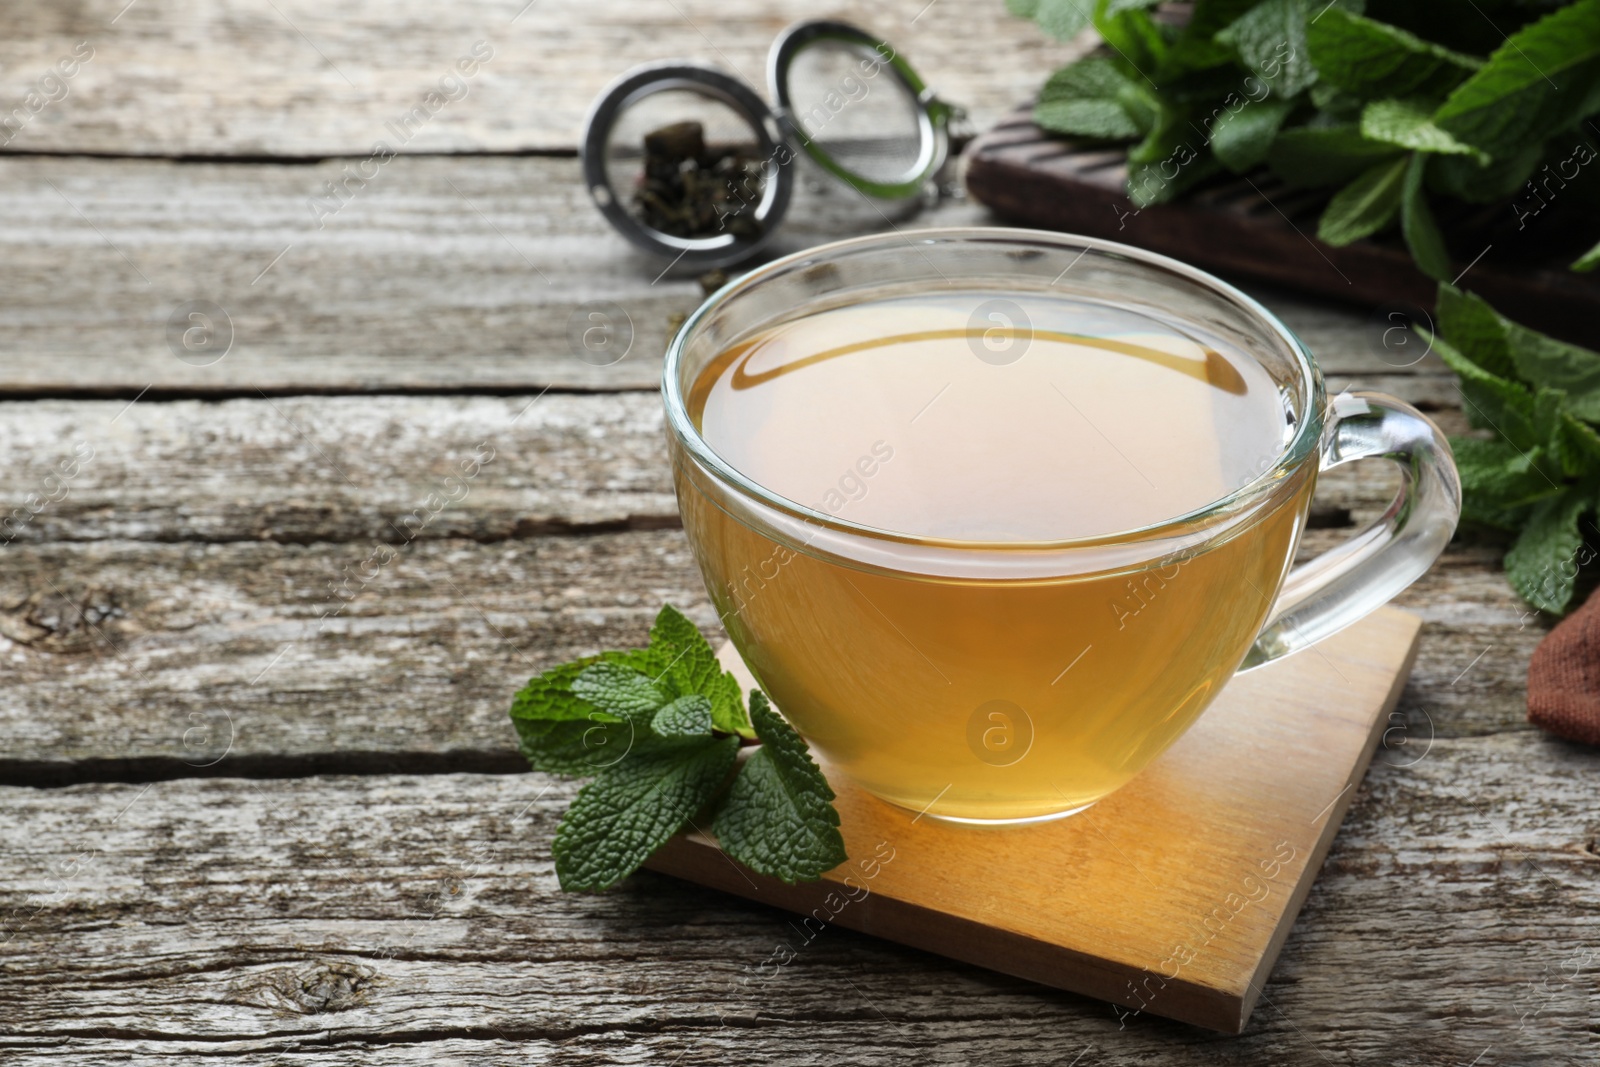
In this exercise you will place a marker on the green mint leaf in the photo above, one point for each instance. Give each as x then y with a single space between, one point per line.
1024 9
1161 181
1171 158
1170 139
1270 39
1544 361
1314 157
1133 37
1365 206
1491 402
1542 565
1498 477
1579 445
1487 349
1241 139
1113 8
575 747
1418 225
1373 59
646 661
1469 178
620 690
1540 81
1194 56
633 808
1476 330
1409 124
688 716
778 816
1589 260
689 665
549 696
1196 49
1064 19
560 732
687 660
1570 443
1094 98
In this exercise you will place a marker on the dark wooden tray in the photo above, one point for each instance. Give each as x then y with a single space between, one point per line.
1255 225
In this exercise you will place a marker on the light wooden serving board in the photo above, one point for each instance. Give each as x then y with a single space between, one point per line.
1170 897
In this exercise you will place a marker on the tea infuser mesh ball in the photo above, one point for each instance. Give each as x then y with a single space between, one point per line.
687 162
857 109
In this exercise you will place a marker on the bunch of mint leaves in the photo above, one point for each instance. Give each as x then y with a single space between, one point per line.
1537 471
1384 102
659 730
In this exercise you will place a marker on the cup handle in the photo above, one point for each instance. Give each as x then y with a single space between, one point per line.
1344 584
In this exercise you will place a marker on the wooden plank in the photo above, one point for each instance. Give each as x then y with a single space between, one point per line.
1230 826
306 469
140 659
1458 911
316 487
443 275
440 275
151 660
340 469
303 78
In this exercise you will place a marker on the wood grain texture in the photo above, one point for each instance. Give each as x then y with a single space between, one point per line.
339 469
158 659
440 275
392 468
153 660
1229 827
302 78
413 916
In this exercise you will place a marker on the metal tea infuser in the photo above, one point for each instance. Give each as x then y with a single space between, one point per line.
689 163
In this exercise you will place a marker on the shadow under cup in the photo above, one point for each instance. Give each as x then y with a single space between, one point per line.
998 681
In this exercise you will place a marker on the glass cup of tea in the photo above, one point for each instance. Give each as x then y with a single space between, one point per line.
993 514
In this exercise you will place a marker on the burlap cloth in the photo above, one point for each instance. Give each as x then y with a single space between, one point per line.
1564 677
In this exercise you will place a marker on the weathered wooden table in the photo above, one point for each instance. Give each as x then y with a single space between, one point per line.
258 796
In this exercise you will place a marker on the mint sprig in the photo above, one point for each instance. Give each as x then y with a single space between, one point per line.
1331 95
1536 468
1367 59
659 729
779 816
689 665
634 807
1539 81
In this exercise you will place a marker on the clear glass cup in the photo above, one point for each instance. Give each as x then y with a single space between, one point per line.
928 712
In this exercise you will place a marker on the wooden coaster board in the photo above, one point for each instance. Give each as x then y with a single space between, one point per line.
1172 896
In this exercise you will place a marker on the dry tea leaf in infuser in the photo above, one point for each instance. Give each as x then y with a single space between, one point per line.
691 189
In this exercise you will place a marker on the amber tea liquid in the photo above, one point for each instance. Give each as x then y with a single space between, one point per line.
1000 698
